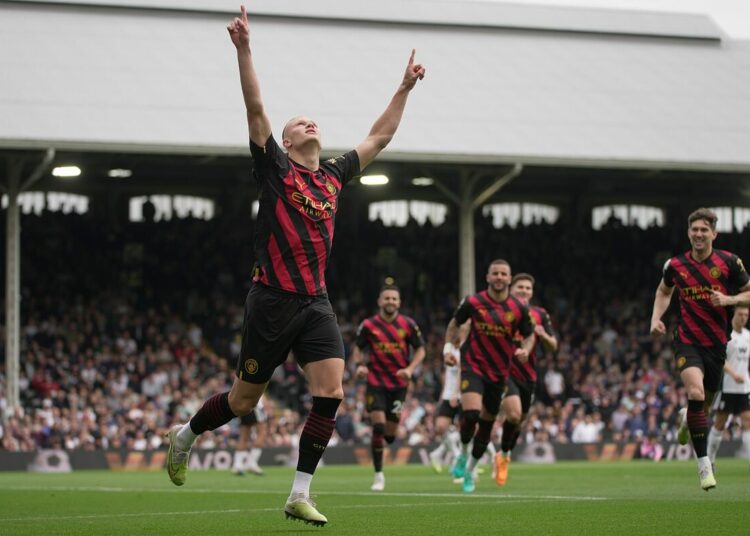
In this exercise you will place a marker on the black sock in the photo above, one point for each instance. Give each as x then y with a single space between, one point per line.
215 412
511 432
468 425
482 438
317 432
698 426
377 446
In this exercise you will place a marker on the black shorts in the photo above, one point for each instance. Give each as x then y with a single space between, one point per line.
523 390
277 322
446 410
389 400
492 393
710 359
734 403
254 417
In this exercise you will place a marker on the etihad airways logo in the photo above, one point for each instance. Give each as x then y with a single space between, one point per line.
699 292
314 207
388 347
491 330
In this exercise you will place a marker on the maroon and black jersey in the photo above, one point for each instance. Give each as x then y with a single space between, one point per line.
527 371
701 323
388 344
294 234
488 350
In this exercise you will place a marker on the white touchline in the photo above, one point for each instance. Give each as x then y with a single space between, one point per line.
105 489
255 510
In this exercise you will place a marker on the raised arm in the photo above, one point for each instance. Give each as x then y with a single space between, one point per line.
257 120
384 128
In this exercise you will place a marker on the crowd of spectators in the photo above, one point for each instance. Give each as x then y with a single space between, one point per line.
127 331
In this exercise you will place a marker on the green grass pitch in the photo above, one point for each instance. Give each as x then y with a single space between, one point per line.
630 498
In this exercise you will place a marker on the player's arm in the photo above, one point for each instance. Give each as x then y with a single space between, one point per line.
257 120
526 329
547 335
452 341
385 126
722 300
358 358
661 303
416 359
736 376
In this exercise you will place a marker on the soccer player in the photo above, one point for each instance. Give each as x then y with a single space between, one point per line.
496 317
523 377
706 278
386 337
287 306
450 408
258 421
735 390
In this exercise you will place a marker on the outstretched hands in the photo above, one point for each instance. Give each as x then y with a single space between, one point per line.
238 29
414 72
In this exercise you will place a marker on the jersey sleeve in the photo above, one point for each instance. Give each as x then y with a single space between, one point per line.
415 337
268 160
738 276
526 323
361 339
668 273
546 322
463 312
344 167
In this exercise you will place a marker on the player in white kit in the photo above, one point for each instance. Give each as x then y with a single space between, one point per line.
735 390
450 407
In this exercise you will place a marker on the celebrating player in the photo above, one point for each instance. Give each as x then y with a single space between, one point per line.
486 357
287 306
522 381
705 278
386 337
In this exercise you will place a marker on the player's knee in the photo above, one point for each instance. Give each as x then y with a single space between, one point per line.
696 392
378 429
471 416
513 416
242 404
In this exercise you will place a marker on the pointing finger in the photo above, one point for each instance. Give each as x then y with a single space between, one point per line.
411 58
243 12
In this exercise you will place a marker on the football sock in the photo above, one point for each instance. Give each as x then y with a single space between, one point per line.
377 446
215 412
698 426
511 432
317 432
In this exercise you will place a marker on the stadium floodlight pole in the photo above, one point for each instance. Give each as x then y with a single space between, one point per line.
467 204
14 187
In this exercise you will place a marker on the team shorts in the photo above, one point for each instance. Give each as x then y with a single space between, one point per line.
446 410
391 401
254 417
710 359
734 403
277 322
523 390
492 392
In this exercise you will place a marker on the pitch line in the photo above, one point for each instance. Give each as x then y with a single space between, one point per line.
108 489
250 511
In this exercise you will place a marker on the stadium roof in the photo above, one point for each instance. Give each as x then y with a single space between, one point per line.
505 83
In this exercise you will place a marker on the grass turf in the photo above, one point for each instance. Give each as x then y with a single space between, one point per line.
564 498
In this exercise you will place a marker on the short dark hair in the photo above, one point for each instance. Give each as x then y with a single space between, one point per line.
522 276
703 214
498 261
389 286
742 306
